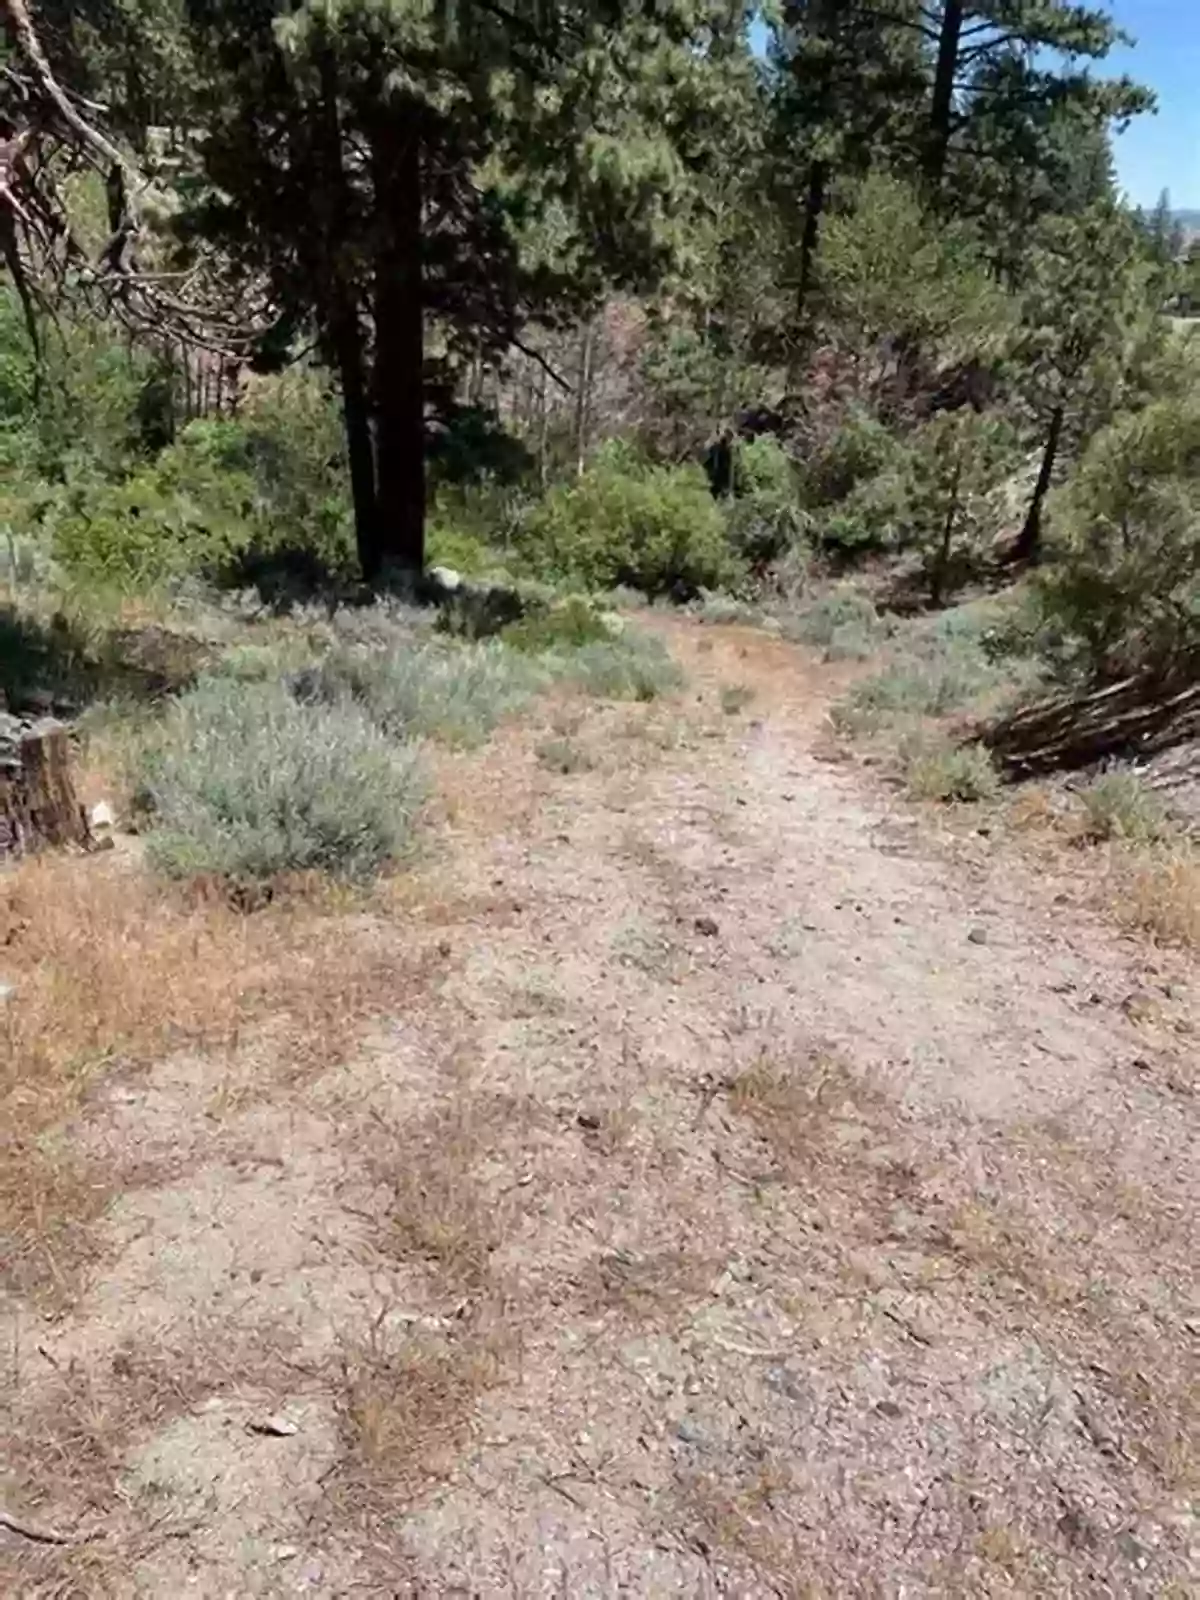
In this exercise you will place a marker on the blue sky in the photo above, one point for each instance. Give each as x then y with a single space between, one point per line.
1161 152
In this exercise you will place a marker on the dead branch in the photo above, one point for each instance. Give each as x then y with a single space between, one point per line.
39 244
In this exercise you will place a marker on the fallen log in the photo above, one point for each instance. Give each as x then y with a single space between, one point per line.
1127 721
38 802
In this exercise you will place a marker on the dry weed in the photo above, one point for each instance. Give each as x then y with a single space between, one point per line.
441 1210
1158 892
656 1288
406 1407
736 1513
112 971
801 1110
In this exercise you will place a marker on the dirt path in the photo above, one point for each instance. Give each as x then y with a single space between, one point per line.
774 1197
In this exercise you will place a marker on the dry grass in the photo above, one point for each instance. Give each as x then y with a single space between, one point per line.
112 972
1158 892
441 1210
407 1404
803 1109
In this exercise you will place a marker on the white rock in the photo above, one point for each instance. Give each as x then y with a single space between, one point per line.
446 579
102 815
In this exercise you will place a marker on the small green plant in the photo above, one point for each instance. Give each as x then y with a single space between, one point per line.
245 782
564 755
735 697
1119 805
938 771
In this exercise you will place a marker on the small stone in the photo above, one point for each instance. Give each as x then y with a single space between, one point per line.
588 1120
707 927
888 1408
274 1427
689 1432
8 991
102 815
446 578
978 936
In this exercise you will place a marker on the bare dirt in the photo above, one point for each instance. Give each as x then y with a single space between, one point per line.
774 1190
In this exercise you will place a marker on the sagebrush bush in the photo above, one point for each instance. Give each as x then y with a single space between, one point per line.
568 626
637 666
455 693
1119 805
245 782
842 623
656 529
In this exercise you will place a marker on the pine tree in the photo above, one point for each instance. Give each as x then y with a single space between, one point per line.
1083 301
383 163
990 70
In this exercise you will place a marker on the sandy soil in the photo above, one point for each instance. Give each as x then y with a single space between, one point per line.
778 1192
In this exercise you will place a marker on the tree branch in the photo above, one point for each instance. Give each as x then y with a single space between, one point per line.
536 355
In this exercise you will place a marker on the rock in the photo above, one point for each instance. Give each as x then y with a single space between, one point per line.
8 991
707 927
446 579
978 936
689 1431
102 816
275 1427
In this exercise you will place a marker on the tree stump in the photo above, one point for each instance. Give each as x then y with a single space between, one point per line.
38 803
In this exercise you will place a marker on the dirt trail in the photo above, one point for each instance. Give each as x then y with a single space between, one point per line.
776 1197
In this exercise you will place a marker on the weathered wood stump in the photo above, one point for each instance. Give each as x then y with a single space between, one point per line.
38 803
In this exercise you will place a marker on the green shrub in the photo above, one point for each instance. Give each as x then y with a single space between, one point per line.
656 529
937 771
859 450
765 518
912 685
162 521
1118 805
246 782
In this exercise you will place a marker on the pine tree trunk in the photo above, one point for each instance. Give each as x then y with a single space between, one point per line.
943 92
941 564
583 397
1029 542
400 344
343 325
814 207
360 451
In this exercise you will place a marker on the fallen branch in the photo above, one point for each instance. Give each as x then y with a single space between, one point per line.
37 1534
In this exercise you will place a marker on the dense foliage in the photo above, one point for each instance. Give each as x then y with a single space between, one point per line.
607 296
